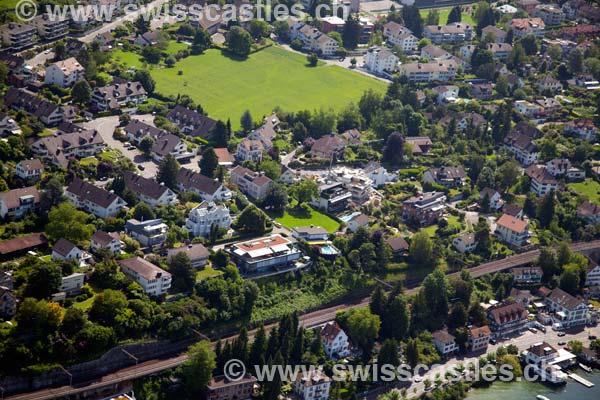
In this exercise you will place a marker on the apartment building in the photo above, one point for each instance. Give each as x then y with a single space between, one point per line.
59 148
64 73
379 60
335 341
14 204
18 36
208 189
479 337
542 182
29 170
117 95
312 385
49 27
333 198
522 147
425 209
148 190
222 388
253 184
511 230
398 35
527 275
507 318
568 311
192 122
522 27
448 34
154 280
263 254
444 342
93 199
551 14
207 216
442 71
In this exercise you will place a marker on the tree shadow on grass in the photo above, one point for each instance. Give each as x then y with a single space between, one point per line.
232 56
300 212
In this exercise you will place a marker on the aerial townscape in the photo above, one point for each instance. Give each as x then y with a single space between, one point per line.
362 183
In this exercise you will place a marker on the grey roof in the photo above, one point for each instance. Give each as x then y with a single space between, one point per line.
147 187
194 251
63 247
190 179
86 191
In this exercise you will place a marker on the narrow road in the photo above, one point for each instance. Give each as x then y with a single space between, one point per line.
308 320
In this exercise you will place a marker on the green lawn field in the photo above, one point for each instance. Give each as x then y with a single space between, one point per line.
272 77
466 18
589 188
295 217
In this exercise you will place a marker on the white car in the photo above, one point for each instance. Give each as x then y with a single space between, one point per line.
418 379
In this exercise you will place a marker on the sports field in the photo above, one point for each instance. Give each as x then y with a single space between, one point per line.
272 77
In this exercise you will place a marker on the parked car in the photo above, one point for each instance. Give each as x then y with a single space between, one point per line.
592 337
562 343
141 167
533 330
561 334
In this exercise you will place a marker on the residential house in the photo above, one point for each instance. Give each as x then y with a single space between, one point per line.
65 250
150 38
398 245
446 94
263 254
154 280
222 388
507 9
521 296
549 13
50 27
72 284
58 149
252 184
442 71
109 241
312 384
507 318
500 51
465 243
540 353
287 175
592 278
561 167
481 91
542 182
495 201
225 158
444 342
197 253
499 34
528 108
358 221
207 216
528 5
18 36
479 337
14 204
527 275
582 128
64 73
511 230
335 341
8 126
380 60
522 27
522 147
379 175
590 212
93 199
117 95
12 248
328 146
208 189
249 150
137 130
333 198
569 311
435 53
266 133
150 233
424 209
191 122
314 40
448 34
29 170
548 83
513 210
548 105
310 233
419 145
46 111
398 35
449 177
8 303
148 190
164 144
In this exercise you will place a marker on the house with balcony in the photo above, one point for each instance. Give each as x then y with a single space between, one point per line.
72 285
59 149
381 61
449 177
249 150
479 337
93 199
582 128
117 95
148 190
522 147
440 71
512 231
507 318
18 36
252 184
64 73
425 209
264 254
192 122
333 198
150 233
549 13
568 311
398 35
109 241
527 275
335 341
208 189
154 280
29 170
444 342
51 114
310 233
49 27
14 204
542 182
207 216
448 34
522 27
499 34
312 385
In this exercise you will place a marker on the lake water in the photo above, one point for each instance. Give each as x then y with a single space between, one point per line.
525 390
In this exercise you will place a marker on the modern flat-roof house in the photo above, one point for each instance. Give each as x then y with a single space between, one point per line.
444 342
117 95
18 36
252 184
207 216
197 253
152 232
14 204
569 311
58 149
263 254
208 189
93 199
154 280
72 284
29 170
333 198
221 388
103 240
512 230
424 209
51 27
148 190
64 73
507 318
310 233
